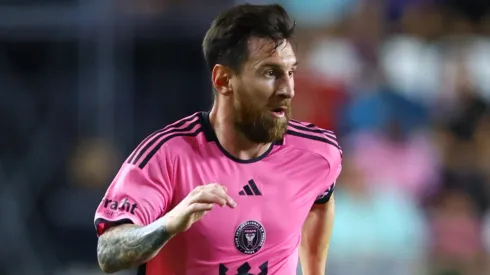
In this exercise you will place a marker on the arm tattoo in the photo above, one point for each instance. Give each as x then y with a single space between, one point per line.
128 245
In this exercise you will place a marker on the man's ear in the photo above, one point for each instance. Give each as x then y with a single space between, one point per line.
221 76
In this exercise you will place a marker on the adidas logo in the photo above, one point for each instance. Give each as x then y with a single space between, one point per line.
250 189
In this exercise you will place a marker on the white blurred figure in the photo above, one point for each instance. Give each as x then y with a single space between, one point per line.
478 64
412 67
335 59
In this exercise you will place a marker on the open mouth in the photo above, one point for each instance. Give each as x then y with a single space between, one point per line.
279 112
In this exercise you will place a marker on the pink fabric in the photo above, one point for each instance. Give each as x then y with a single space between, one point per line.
290 179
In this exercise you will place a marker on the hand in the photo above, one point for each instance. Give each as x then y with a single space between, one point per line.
191 209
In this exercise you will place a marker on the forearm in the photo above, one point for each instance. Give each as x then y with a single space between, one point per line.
129 245
313 257
312 264
315 241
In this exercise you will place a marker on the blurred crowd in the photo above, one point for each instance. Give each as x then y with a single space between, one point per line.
404 83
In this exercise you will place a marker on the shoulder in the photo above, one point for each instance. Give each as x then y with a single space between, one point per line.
161 143
308 137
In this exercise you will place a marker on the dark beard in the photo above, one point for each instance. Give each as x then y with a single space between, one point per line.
259 126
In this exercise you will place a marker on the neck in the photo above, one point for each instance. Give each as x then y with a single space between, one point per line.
230 138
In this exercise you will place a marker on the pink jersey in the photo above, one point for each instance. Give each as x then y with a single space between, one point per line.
274 193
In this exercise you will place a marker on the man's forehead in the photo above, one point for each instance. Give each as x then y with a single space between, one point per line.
262 49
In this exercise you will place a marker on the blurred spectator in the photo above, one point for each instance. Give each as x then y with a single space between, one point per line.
461 172
412 67
334 59
393 159
69 207
317 100
462 153
378 228
471 108
456 235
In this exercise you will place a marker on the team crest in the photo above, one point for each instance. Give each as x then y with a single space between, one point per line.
249 237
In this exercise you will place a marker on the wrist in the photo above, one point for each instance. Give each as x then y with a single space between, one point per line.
168 225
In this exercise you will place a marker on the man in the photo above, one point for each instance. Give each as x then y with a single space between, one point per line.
234 191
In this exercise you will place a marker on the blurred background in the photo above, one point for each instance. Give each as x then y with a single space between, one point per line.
405 83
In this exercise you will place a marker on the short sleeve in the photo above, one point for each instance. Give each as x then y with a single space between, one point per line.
325 196
331 179
138 194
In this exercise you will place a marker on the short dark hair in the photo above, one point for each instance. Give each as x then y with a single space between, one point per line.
226 41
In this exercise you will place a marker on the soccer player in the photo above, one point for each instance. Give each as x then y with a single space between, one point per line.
242 189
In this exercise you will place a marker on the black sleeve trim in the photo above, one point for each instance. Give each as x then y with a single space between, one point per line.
325 197
110 223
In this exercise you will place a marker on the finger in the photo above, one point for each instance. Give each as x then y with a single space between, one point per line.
209 197
212 185
199 206
216 186
230 201
221 192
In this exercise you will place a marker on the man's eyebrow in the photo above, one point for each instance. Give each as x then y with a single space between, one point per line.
275 65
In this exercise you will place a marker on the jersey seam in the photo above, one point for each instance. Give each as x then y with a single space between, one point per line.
317 154
171 162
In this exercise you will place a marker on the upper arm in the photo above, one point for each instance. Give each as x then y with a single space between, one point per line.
138 194
316 230
320 218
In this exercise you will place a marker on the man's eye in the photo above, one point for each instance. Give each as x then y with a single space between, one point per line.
270 73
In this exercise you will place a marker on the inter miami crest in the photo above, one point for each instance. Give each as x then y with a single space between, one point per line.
249 237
